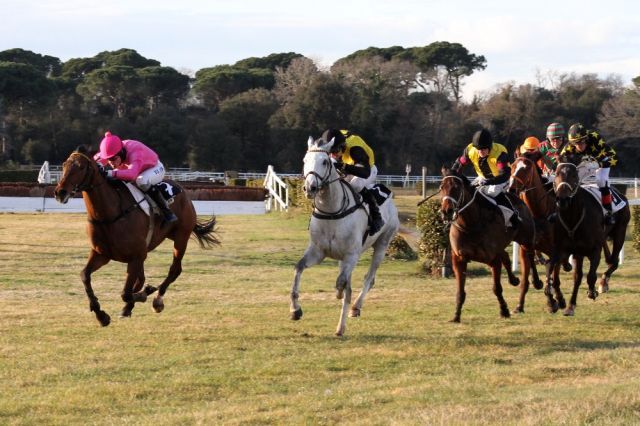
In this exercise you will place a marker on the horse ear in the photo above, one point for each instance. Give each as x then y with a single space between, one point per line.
444 170
310 142
329 144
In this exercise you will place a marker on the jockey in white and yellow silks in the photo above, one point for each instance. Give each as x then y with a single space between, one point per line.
356 160
491 163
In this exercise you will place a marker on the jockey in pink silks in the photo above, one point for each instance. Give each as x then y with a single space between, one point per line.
135 162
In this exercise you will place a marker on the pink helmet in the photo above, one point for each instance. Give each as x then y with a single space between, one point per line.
110 146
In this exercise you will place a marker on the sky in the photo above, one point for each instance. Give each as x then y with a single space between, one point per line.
521 41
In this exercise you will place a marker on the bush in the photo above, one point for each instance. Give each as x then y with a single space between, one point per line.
635 218
19 175
434 237
399 249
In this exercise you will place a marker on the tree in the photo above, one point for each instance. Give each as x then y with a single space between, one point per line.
45 64
116 87
162 85
213 85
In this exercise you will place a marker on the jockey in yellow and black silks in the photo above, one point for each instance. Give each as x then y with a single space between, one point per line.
491 163
356 160
585 142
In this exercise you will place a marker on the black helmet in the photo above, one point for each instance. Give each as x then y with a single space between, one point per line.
482 139
338 136
577 133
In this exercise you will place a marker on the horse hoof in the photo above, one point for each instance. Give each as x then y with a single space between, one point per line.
552 307
603 287
518 310
455 320
567 267
297 314
354 313
125 314
339 294
140 297
568 312
592 294
515 281
158 305
538 284
562 304
505 314
103 318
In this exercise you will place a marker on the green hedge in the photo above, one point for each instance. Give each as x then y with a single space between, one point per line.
434 237
635 232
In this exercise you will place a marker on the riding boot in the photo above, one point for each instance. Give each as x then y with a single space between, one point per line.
376 220
155 194
606 204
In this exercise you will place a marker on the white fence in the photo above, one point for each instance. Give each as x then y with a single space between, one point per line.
278 191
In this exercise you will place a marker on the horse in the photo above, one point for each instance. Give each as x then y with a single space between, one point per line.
478 233
578 231
338 230
120 230
526 181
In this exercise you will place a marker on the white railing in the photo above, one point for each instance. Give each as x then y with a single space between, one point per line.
278 191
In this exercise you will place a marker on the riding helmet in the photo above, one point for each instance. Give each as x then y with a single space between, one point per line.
482 139
577 133
337 135
110 146
555 130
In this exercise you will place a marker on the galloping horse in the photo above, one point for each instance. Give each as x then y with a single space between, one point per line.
525 181
120 230
579 213
338 230
478 233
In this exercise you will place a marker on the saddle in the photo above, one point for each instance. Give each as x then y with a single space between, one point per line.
146 203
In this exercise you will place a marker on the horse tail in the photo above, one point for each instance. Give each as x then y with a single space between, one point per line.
205 233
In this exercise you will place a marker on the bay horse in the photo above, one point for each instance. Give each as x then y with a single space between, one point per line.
478 233
338 230
120 230
525 181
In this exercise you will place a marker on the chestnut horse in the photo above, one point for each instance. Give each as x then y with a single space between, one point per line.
478 233
120 230
527 183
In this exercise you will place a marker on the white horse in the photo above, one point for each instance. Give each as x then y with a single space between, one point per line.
339 230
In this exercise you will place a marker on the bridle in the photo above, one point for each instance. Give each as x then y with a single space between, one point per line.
457 202
324 181
572 190
85 182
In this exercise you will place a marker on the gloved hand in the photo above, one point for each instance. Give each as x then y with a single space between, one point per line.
102 170
479 181
339 165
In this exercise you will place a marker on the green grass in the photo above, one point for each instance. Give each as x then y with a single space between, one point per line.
225 351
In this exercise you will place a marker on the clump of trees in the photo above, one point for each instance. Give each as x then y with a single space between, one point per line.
406 102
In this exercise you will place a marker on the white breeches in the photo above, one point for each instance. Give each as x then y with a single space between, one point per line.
358 183
602 177
151 176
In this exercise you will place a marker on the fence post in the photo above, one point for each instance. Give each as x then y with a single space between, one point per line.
514 257
424 182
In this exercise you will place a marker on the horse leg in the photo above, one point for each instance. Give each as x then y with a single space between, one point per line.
460 271
94 262
179 249
506 262
524 280
496 268
312 256
613 259
134 270
561 304
592 275
577 278
379 249
343 289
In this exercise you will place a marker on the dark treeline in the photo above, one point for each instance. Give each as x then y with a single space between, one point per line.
405 102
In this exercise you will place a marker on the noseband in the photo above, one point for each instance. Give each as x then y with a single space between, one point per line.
572 190
457 210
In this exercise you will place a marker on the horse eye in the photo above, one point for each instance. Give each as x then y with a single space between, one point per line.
325 163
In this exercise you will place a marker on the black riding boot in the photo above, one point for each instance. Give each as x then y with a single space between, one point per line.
155 194
606 203
376 220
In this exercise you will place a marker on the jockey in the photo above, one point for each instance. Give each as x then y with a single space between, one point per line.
530 149
355 159
135 162
589 143
552 146
491 163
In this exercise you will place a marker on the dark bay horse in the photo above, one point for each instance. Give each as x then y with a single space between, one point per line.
478 233
120 230
578 231
527 183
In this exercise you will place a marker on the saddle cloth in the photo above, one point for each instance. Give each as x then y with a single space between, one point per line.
493 189
617 202
145 202
381 193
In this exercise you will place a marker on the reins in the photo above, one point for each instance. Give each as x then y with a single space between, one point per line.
573 191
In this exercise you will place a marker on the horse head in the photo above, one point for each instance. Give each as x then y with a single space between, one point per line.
566 183
523 175
318 169
79 173
455 190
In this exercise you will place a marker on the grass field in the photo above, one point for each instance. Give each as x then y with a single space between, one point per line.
224 350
